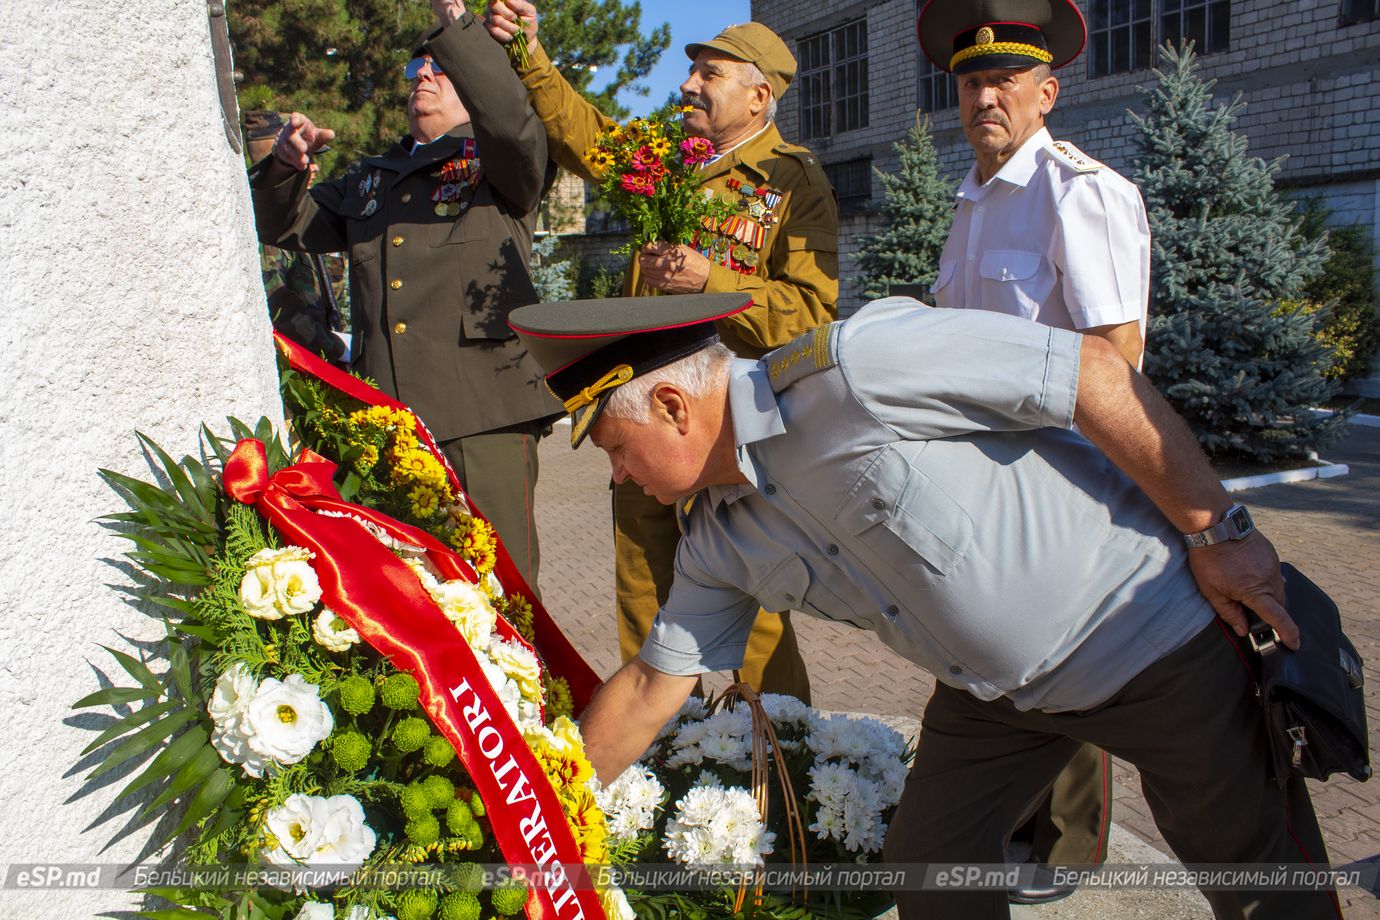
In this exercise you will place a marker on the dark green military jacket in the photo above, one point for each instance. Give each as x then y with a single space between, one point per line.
439 242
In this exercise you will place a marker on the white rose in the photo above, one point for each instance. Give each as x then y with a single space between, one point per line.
468 608
256 590
519 664
333 633
325 835
234 689
228 706
297 825
296 585
615 904
278 582
286 719
363 913
315 910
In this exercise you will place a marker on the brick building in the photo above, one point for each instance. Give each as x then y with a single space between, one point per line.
1305 68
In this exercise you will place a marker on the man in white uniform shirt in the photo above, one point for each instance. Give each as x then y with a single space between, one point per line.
1044 232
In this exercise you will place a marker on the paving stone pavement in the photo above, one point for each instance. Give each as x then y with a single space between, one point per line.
1329 528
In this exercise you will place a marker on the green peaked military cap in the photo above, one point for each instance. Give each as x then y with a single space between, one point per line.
589 348
758 45
960 36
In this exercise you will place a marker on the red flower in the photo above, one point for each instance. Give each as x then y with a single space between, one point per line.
638 184
644 159
696 150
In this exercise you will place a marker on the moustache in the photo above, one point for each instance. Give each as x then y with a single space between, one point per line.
990 119
694 101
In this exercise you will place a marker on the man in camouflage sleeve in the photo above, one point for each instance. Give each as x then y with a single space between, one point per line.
439 234
780 248
295 301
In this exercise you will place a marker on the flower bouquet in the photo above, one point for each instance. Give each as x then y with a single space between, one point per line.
689 800
648 169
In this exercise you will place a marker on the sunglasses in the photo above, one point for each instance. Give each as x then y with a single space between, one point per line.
415 66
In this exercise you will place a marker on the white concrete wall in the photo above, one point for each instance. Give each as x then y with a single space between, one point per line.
129 298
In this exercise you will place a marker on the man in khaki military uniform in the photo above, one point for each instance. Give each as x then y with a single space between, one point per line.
782 251
439 234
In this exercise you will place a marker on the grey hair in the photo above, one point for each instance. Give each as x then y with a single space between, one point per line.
695 375
751 75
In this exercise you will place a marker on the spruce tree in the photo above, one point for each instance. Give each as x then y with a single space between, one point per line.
340 61
916 216
1227 252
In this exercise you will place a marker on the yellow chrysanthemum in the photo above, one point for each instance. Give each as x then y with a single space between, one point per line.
559 701
659 145
518 611
366 459
474 540
613 131
424 502
638 127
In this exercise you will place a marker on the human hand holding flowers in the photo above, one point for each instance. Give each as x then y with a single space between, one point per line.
505 20
673 268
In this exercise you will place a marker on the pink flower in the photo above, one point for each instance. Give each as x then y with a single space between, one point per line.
638 185
644 159
696 150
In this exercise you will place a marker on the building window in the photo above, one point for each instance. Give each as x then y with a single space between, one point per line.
1354 11
852 182
1206 23
833 80
1121 36
938 89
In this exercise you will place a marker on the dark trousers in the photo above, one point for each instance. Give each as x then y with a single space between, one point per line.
1189 723
1071 823
499 472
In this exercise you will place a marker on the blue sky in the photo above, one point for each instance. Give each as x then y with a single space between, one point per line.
691 20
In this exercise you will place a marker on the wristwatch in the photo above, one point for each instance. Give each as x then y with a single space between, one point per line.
1236 524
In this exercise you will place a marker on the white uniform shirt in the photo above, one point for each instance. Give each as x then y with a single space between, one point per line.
1054 237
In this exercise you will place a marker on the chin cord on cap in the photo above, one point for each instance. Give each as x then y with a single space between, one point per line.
614 378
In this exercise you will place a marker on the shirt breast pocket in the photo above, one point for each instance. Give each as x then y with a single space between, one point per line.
790 586
906 520
941 281
1014 282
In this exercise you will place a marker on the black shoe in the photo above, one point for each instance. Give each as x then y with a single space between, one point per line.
1039 894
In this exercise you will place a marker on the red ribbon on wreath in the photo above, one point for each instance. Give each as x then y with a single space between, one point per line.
383 600
560 656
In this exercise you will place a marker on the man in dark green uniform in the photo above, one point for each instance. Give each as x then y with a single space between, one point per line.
298 300
439 234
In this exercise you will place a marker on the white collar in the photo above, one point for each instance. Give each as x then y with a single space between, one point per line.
1015 171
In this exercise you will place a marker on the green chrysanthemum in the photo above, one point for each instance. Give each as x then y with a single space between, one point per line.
509 898
441 790
460 905
459 818
356 695
468 878
400 691
476 804
416 905
350 750
438 752
423 831
410 734
416 803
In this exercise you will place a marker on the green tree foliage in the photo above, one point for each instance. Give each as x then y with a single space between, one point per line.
1344 294
916 217
1227 252
340 61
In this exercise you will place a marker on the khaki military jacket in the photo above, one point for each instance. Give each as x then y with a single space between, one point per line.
439 242
794 284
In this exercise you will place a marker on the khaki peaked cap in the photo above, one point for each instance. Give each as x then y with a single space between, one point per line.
758 45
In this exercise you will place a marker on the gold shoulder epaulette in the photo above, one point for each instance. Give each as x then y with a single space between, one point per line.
1072 157
813 351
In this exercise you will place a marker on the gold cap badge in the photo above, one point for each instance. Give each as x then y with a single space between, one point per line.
985 36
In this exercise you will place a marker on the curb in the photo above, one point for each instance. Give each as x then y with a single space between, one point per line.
1324 470
1360 418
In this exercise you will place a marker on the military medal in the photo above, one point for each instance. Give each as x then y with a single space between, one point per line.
370 207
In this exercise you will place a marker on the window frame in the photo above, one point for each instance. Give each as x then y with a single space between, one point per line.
833 79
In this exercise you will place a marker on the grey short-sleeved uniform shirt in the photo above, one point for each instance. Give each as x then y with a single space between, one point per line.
907 477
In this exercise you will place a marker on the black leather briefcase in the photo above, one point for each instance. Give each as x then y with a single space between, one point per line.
1314 703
